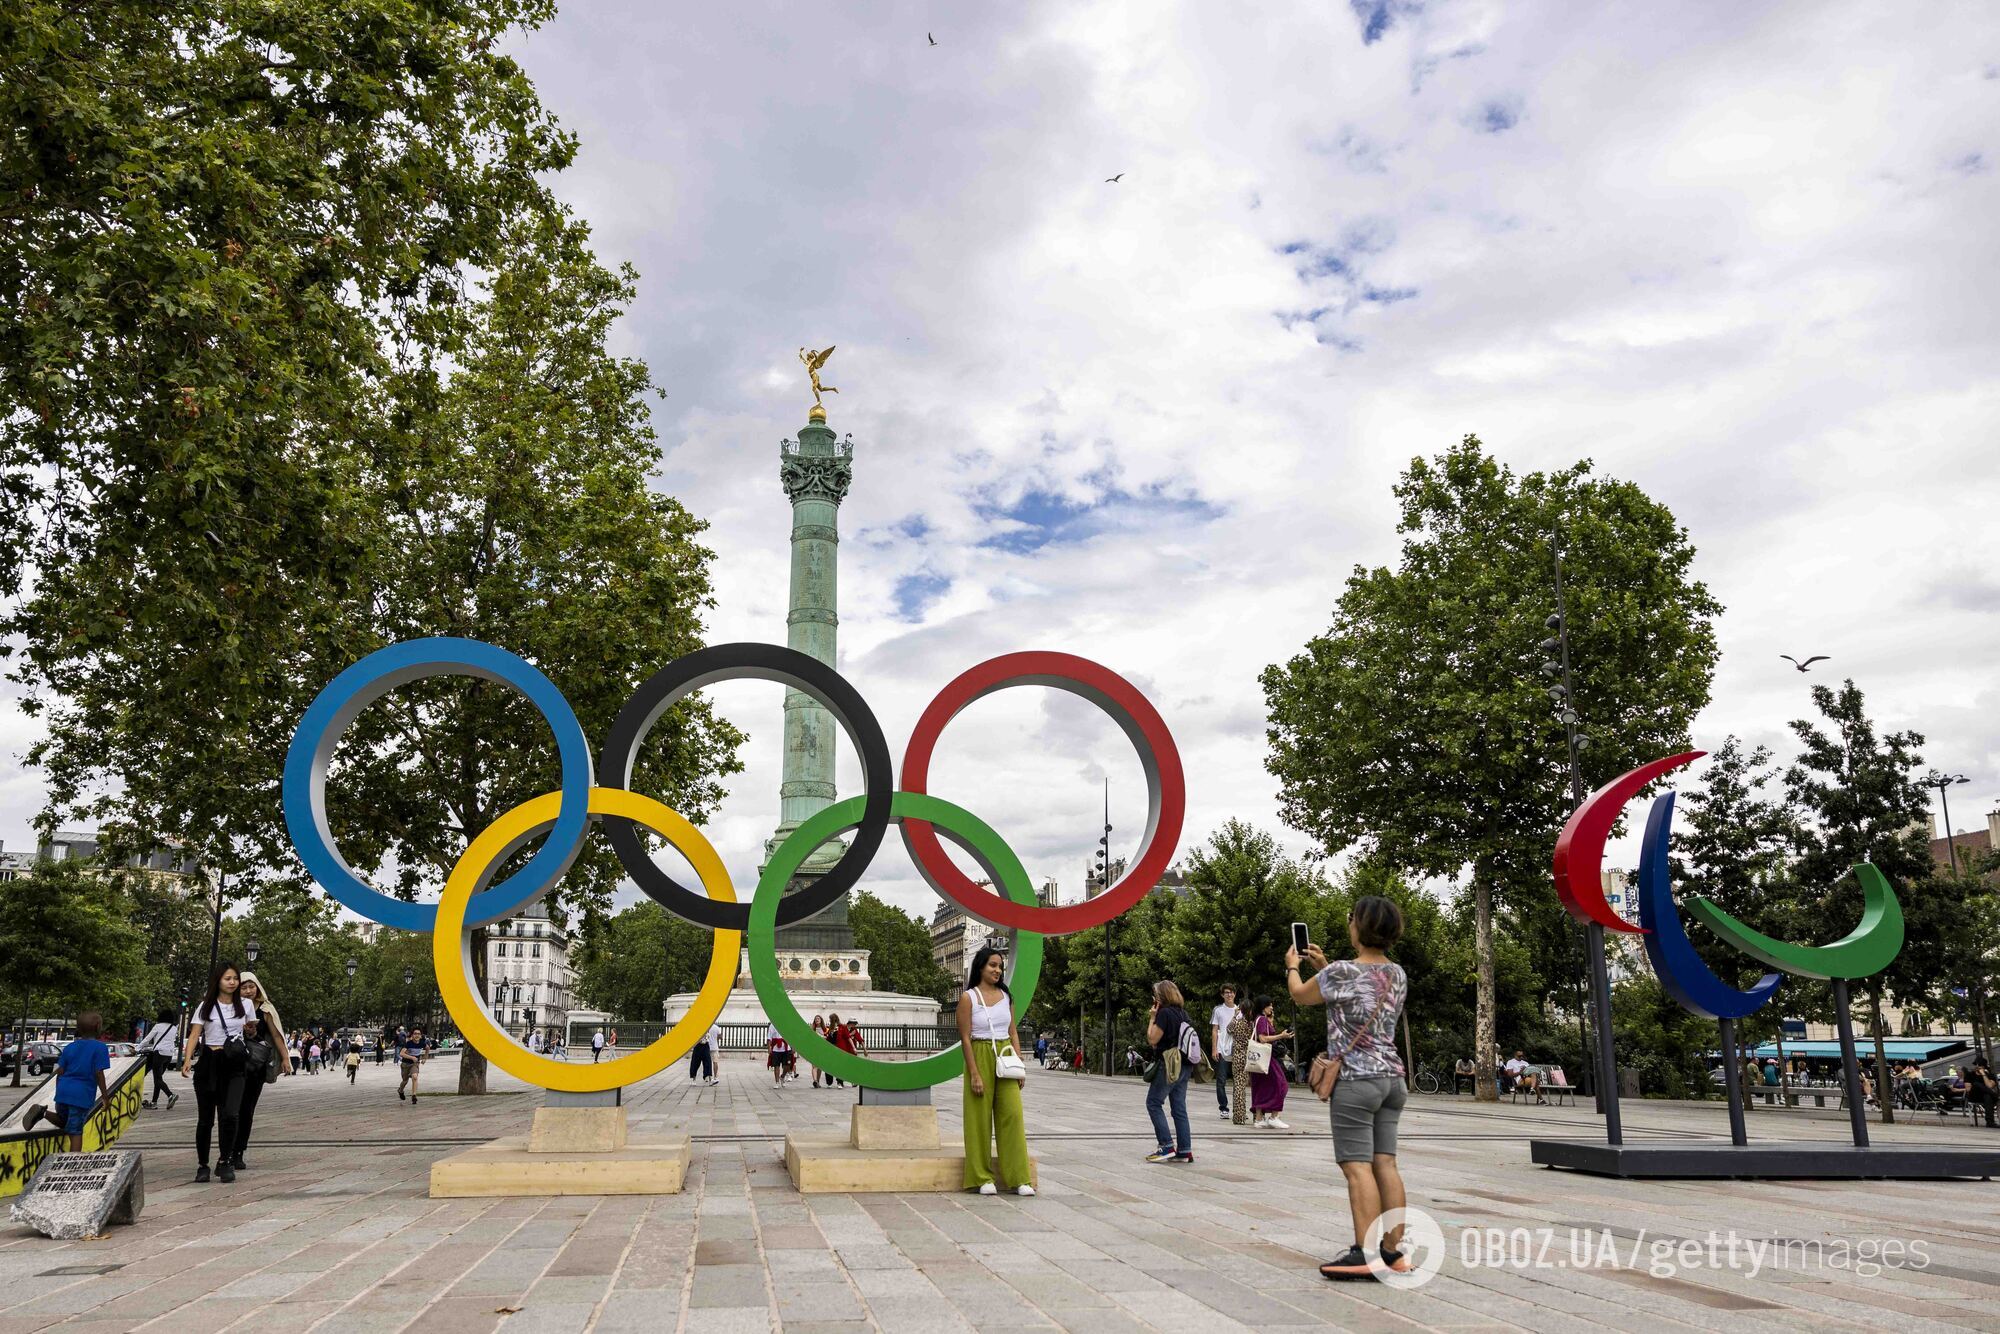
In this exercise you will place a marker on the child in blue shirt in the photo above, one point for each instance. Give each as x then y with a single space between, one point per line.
80 1078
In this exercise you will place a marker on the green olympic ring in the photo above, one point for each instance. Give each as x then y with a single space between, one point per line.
965 829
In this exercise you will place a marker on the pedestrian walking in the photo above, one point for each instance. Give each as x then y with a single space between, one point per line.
1166 1030
158 1049
1364 998
353 1059
1267 1090
596 1045
701 1061
842 1036
214 1055
413 1054
1220 1043
995 1076
819 1030
266 1041
779 1054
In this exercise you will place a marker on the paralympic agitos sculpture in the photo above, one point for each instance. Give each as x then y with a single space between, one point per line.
565 815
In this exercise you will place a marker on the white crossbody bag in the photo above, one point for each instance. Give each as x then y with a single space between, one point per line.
1007 1063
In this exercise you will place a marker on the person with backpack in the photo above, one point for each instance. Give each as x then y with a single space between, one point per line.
1173 1039
1361 1074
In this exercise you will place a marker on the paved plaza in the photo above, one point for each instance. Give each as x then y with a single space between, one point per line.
331 1228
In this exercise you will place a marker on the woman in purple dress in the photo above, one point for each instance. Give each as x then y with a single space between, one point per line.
1267 1091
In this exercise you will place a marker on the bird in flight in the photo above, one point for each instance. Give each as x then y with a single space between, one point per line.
1113 180
933 39
1802 666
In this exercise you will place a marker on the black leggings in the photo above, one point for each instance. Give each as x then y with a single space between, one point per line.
253 1089
157 1063
218 1093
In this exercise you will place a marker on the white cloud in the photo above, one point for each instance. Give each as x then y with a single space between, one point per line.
1745 259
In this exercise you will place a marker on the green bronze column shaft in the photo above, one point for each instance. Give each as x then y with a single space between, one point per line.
815 471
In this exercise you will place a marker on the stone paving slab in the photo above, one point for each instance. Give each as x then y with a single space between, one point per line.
330 1228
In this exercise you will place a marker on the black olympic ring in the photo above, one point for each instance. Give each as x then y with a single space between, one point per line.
763 662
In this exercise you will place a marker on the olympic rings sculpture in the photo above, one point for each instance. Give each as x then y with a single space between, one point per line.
562 819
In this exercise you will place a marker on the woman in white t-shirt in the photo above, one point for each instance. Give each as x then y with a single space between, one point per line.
223 1022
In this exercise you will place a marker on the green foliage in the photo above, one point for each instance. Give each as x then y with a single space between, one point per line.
1418 726
1233 922
65 945
899 947
1660 1040
629 964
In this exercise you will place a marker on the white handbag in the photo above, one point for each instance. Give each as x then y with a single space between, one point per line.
1007 1063
1257 1057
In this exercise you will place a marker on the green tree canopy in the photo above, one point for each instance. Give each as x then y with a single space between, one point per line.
65 945
1417 726
899 949
627 965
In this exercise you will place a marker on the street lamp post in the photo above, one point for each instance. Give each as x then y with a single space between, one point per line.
1603 1066
1104 886
352 965
251 949
409 976
1944 782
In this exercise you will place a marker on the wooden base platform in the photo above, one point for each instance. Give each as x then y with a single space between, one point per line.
507 1167
1774 1160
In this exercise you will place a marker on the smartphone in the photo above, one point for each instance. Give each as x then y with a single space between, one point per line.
1299 941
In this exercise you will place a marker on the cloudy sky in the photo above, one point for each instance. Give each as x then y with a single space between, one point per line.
1747 260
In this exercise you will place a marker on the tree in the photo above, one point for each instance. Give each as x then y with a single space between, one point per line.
1733 848
629 964
64 943
1233 922
1865 803
1416 726
306 358
899 949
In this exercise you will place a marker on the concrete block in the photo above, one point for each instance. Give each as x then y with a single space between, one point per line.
890 1127
823 1164
577 1130
508 1167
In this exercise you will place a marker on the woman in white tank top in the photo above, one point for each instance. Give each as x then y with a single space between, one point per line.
993 1119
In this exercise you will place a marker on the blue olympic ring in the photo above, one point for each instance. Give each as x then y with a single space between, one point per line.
368 680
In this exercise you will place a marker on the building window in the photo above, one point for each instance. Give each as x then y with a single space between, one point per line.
538 949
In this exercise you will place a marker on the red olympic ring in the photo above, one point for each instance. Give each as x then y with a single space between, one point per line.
1166 788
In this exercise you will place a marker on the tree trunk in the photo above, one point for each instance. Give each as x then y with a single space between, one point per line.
1884 1091
471 1065
1483 1036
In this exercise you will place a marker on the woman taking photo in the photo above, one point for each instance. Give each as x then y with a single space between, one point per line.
223 1024
1363 998
992 1103
254 1080
1267 1091
1164 1032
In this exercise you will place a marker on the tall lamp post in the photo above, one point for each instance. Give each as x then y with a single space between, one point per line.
251 949
1603 1066
352 965
1943 782
409 976
1104 886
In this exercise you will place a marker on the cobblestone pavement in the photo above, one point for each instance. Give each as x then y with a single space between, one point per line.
331 1228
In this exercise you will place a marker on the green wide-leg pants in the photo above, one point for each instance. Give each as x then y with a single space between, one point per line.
994 1114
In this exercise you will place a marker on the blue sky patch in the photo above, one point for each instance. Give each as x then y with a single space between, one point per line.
1498 116
1042 518
915 592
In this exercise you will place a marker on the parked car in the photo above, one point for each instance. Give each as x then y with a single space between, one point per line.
124 1049
41 1058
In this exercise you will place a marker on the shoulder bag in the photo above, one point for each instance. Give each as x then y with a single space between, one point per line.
1007 1062
1257 1057
1325 1071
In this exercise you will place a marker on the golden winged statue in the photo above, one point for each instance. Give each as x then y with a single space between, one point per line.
813 361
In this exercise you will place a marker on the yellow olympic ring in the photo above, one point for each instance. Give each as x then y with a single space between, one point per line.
451 944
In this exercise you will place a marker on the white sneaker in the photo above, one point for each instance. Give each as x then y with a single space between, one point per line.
1275 1124
989 1189
1024 1189
1224 1113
